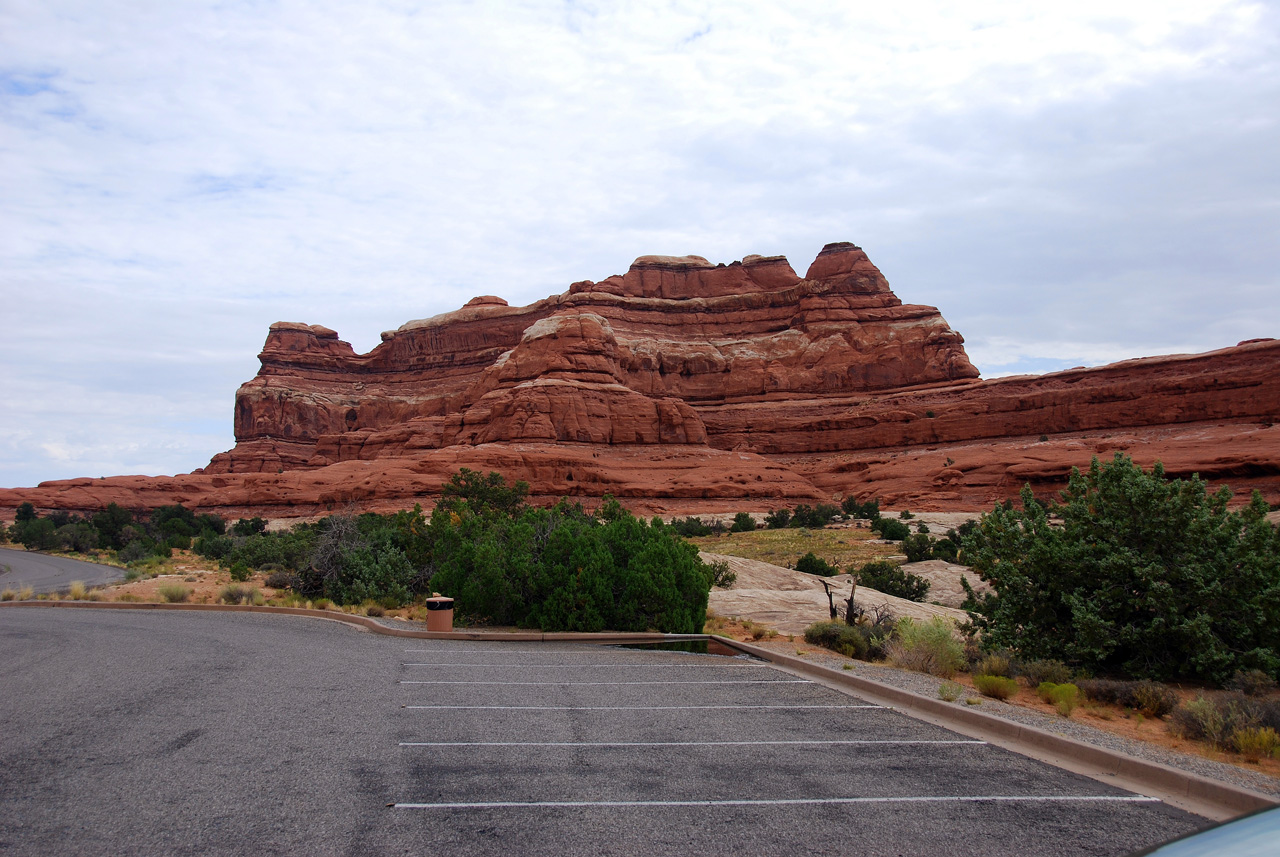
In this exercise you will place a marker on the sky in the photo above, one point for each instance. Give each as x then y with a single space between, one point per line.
1070 183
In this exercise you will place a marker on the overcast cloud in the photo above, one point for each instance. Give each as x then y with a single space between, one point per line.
1071 184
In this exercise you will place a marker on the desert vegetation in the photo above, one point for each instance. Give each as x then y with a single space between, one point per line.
504 563
1145 577
130 537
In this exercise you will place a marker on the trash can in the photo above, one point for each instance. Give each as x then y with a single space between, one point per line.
439 613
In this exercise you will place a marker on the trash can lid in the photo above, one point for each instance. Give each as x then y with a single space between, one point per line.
439 603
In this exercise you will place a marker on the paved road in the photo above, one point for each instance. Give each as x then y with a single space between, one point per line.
45 573
188 733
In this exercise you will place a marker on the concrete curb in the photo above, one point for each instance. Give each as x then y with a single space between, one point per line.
1192 792
367 624
1203 796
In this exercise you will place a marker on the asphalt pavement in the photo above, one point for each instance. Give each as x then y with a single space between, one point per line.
228 733
44 573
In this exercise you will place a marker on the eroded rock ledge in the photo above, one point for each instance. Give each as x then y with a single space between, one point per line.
683 384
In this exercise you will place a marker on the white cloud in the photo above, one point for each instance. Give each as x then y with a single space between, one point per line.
1066 182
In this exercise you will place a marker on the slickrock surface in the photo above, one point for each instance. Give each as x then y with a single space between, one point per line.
683 386
790 601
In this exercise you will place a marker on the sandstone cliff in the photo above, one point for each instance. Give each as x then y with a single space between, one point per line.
684 385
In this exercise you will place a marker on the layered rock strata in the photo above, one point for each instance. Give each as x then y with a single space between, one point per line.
682 384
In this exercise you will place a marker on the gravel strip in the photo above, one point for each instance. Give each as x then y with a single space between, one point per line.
927 686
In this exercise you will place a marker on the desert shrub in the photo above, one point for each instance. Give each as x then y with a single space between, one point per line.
240 572
928 647
79 536
811 563
1252 683
110 524
39 534
945 549
890 579
213 546
691 527
234 594
374 609
743 523
1256 742
849 640
995 686
284 549
132 552
876 624
1151 698
76 590
178 542
283 580
777 519
890 529
949 691
918 547
9 595
1064 697
372 569
1104 690
564 569
174 593
869 510
249 526
816 518
1146 576
1216 718
994 664
1197 719
905 515
719 574
1269 713
1044 670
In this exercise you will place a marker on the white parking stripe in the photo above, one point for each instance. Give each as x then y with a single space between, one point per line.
597 666
802 742
627 707
537 649
614 804
616 683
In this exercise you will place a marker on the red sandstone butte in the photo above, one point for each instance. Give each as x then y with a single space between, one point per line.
687 386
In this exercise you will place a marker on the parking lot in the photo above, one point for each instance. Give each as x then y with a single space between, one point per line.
287 735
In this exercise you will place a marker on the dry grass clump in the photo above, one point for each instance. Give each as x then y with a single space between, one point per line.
174 593
1063 697
995 686
927 647
949 691
77 591
234 593
1256 742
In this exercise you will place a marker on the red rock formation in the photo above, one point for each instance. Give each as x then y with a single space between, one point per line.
683 384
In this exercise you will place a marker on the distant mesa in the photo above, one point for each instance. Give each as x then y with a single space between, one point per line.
684 385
